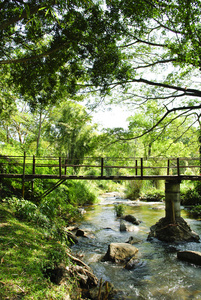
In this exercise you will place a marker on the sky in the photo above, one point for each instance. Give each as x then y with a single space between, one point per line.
115 117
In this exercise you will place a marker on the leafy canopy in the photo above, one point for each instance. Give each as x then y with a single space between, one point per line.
50 45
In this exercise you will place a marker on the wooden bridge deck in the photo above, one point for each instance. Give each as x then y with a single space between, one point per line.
30 177
96 168
29 168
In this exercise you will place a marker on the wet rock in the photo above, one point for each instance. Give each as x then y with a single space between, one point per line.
132 263
165 231
131 219
120 252
85 233
123 226
80 232
108 228
127 227
133 240
190 256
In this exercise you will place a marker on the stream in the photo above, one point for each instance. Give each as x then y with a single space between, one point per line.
159 274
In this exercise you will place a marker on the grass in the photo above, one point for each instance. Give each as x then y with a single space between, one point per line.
25 253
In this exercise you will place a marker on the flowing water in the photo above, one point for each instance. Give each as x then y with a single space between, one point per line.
159 274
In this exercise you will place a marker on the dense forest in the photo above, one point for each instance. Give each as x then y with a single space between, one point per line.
60 61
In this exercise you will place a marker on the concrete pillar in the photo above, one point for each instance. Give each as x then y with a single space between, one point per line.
172 200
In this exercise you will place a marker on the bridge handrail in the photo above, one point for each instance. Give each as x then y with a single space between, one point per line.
31 163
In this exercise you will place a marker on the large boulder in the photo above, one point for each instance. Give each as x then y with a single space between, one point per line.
120 252
180 231
190 256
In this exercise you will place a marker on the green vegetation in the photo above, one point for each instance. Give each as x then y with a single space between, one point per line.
119 210
196 211
55 55
27 252
191 198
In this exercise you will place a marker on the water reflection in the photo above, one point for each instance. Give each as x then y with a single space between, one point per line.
159 274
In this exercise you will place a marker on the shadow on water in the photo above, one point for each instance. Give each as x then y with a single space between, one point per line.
159 274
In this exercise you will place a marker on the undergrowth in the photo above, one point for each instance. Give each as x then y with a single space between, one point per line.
26 251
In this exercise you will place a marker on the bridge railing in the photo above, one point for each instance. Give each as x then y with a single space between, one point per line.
97 166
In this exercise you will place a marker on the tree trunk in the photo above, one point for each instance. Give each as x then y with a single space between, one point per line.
39 133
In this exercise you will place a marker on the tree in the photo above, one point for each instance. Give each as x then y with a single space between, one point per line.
162 45
70 132
53 45
50 46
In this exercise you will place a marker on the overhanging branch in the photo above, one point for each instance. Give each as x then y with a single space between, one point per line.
164 116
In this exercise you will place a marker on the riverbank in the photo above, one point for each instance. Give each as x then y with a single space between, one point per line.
27 254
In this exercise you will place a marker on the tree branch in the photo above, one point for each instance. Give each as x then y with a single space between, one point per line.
156 63
164 116
187 92
32 10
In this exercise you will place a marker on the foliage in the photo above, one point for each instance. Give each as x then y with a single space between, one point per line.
196 211
193 195
83 44
133 189
70 132
79 193
69 42
28 211
25 254
154 195
119 210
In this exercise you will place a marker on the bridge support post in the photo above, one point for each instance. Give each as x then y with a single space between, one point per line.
172 228
172 201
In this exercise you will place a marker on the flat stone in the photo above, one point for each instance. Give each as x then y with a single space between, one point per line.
190 256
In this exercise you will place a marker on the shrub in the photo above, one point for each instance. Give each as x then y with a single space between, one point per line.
119 210
196 211
155 196
191 197
26 210
80 194
133 189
